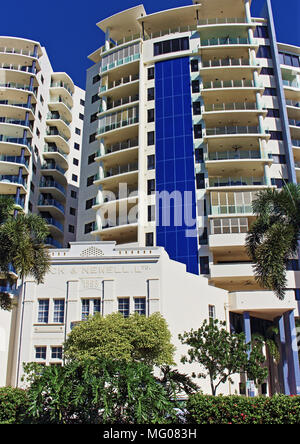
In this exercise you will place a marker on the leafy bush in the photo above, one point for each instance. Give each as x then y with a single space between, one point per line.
207 409
13 405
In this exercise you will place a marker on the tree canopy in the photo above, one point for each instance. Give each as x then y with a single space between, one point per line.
136 338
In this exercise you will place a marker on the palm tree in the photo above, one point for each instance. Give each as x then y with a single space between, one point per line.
274 236
22 245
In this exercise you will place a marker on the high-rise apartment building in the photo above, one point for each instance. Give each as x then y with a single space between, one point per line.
41 122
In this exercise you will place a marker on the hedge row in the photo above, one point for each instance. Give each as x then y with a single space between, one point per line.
200 409
278 409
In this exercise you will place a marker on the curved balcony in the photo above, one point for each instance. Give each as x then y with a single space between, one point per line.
122 126
14 145
124 84
291 90
53 136
213 22
213 111
239 133
116 197
12 164
118 150
122 231
60 105
12 126
294 128
114 175
48 185
228 182
63 80
62 124
10 183
10 108
52 243
238 65
51 205
14 90
53 153
118 63
55 170
18 51
54 225
217 44
118 103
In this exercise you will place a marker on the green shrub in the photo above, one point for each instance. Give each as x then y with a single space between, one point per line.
13 405
207 409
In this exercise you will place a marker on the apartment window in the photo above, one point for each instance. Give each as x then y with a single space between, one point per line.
279 183
71 229
74 177
150 115
292 265
150 94
92 137
150 187
204 265
75 161
149 238
197 131
96 79
273 112
194 65
90 181
203 238
151 73
200 181
96 305
32 187
77 131
89 203
73 194
91 158
270 92
81 116
56 352
37 131
85 308
82 102
59 310
267 71
76 146
196 108
89 227
173 45
73 211
39 116
276 135
261 32
195 86
140 306
93 117
151 213
151 162
264 52
42 78
150 138
95 98
211 313
289 59
297 294
43 310
33 168
123 306
279 158
41 99
40 352
199 155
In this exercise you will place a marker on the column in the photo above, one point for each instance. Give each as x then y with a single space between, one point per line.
292 353
108 297
283 359
72 305
247 331
153 296
107 38
247 11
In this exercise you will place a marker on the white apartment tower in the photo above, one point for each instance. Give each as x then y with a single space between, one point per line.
41 122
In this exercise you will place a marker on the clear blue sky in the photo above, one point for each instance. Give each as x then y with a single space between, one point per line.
67 28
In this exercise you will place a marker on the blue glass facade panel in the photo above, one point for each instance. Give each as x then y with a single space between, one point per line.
175 162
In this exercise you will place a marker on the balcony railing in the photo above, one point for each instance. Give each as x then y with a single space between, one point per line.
54 149
235 181
50 241
120 62
227 130
55 132
14 159
18 86
61 85
228 155
120 82
43 201
13 179
226 41
229 84
52 166
17 140
117 125
226 62
21 105
296 142
120 102
16 122
112 197
59 100
53 116
291 83
119 222
297 164
17 51
230 106
294 122
231 209
49 183
221 21
54 222
22 68
292 103
121 169
131 143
